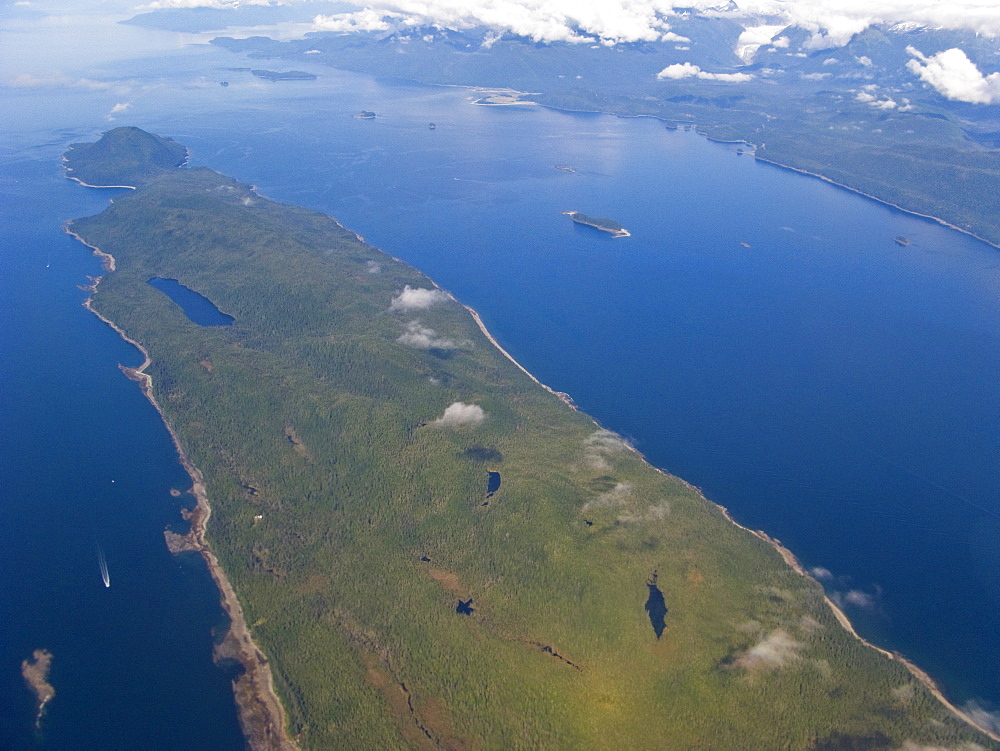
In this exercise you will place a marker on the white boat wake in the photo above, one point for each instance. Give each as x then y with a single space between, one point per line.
102 562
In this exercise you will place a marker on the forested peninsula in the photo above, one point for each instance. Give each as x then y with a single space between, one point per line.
431 549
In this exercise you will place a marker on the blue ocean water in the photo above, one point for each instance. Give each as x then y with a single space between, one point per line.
87 465
826 384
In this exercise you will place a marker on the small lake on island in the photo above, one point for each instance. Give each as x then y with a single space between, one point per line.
492 483
198 308
656 607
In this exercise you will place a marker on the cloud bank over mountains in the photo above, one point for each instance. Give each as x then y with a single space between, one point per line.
832 23
785 28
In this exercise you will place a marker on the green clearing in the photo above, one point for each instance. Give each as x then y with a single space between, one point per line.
317 412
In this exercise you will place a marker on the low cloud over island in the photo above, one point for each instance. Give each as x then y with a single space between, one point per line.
417 298
458 414
955 76
418 336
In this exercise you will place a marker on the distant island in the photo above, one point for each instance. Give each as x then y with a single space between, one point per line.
346 428
610 226
287 75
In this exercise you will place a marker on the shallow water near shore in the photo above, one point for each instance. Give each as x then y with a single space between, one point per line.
760 334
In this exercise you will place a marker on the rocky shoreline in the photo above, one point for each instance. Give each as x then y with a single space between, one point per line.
260 713
35 672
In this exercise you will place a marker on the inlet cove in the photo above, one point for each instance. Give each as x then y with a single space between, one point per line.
345 466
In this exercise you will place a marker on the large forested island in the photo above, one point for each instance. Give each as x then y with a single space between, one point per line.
431 549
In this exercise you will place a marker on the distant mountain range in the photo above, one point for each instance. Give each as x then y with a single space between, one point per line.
902 112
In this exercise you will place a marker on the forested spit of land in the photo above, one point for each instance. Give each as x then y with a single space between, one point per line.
347 424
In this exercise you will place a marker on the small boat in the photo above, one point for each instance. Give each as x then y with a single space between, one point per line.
900 240
102 562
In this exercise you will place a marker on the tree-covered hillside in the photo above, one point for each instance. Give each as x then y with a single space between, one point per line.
124 157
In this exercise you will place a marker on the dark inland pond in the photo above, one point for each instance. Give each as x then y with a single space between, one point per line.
198 308
656 606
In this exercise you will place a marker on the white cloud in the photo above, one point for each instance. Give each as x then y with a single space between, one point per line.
983 718
600 445
610 21
856 597
866 97
362 20
421 337
726 77
821 573
859 599
117 110
753 38
225 4
955 76
373 267
61 80
653 513
618 495
775 650
630 507
459 413
815 76
810 624
417 298
678 71
904 693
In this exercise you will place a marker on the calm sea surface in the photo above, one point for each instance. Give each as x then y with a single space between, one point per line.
826 384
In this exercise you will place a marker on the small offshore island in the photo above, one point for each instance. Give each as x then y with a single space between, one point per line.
610 226
284 75
338 435
35 672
